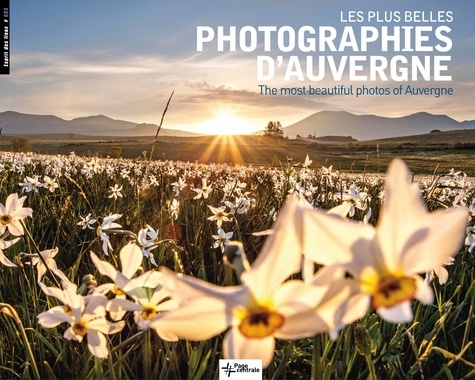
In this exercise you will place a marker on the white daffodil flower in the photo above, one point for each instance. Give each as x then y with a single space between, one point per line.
386 260
115 191
174 208
264 307
148 240
440 272
204 191
470 238
222 239
50 183
354 199
86 316
131 258
147 305
48 258
219 215
4 244
108 224
87 222
12 214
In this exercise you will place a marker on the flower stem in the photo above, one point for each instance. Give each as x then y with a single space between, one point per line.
316 354
147 351
98 368
372 370
10 311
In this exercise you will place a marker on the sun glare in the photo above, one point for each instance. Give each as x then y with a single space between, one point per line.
226 123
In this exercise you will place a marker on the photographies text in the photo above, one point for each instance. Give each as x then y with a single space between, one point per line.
365 46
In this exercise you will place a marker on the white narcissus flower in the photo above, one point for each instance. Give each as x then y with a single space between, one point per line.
222 238
178 186
131 258
115 191
12 214
470 238
307 162
219 215
147 304
204 191
440 272
4 244
175 208
108 224
148 240
386 260
264 307
354 198
48 258
87 222
50 183
31 184
86 316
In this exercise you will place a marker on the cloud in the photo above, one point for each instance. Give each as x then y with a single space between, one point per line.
207 93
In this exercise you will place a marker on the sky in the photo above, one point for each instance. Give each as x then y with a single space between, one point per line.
123 59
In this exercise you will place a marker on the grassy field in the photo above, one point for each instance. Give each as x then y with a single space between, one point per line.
173 212
426 154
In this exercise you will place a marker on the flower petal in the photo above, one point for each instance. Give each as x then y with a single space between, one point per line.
149 279
53 292
96 305
104 326
118 305
131 258
199 319
237 346
97 344
53 317
444 237
104 268
5 261
330 239
184 287
424 292
281 255
402 312
15 228
407 232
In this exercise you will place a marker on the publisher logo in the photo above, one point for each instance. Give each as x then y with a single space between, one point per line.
246 369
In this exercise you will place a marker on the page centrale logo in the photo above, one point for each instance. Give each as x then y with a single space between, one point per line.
246 369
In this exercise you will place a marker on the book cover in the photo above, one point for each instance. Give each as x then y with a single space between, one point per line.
217 189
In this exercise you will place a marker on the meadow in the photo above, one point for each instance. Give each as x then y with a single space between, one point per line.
431 153
69 313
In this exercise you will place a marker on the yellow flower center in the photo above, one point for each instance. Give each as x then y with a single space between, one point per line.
68 310
389 289
260 323
148 313
5 219
80 328
118 291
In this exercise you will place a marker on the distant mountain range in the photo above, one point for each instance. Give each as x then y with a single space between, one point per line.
26 124
319 124
368 127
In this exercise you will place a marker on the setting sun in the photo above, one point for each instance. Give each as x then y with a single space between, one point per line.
227 123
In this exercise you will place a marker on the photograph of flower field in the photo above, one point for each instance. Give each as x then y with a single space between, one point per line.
284 183
138 268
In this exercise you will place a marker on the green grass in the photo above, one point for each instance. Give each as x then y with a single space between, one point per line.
438 343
